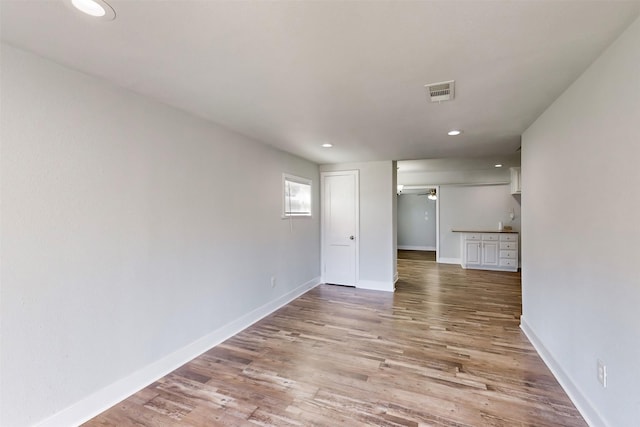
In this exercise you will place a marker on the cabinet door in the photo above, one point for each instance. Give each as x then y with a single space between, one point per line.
472 255
490 254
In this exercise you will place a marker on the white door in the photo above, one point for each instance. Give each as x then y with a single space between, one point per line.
340 227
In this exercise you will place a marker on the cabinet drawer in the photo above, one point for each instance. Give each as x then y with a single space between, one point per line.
508 262
490 237
508 237
508 246
472 236
508 254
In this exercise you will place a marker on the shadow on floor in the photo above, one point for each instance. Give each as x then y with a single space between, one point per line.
417 255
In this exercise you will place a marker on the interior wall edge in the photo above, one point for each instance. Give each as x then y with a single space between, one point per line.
376 285
581 402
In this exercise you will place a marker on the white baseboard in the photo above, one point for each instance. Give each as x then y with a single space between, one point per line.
416 248
375 285
442 260
105 398
584 406
490 268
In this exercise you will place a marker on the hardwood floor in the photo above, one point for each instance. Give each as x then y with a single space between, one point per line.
444 350
417 255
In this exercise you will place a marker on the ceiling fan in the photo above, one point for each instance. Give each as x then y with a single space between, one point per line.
431 194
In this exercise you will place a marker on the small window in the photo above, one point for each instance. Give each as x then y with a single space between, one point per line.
296 196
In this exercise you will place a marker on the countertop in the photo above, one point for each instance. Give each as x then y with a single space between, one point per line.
484 231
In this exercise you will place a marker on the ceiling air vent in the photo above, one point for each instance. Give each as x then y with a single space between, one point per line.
442 91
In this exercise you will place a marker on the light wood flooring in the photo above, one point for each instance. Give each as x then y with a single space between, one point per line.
443 350
417 255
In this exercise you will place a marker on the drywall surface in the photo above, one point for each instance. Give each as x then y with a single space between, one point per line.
460 176
477 207
376 221
416 222
129 230
580 276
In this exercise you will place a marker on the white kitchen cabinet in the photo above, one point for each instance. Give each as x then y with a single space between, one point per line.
516 180
489 250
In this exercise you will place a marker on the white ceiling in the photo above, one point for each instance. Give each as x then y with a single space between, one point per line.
458 164
296 74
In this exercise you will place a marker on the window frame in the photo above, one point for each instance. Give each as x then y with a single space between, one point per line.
286 177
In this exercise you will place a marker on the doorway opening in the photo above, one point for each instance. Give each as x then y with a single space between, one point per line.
418 217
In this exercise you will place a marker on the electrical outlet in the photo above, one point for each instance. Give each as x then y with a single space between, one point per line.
273 281
602 373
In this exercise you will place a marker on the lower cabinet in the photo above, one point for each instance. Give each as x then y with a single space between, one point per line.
490 251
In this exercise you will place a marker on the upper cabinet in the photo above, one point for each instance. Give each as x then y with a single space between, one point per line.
516 181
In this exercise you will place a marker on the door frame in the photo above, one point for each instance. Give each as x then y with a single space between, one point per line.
356 174
437 187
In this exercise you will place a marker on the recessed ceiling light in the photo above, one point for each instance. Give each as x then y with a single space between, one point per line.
454 132
327 145
96 8
497 166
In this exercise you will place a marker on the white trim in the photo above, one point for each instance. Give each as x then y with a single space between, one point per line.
375 285
396 277
442 260
105 398
416 248
475 184
356 173
490 268
437 187
581 402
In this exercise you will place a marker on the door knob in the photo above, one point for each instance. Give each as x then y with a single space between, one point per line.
351 237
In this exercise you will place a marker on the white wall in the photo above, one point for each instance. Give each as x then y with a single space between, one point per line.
416 222
477 207
581 282
455 176
129 231
377 222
